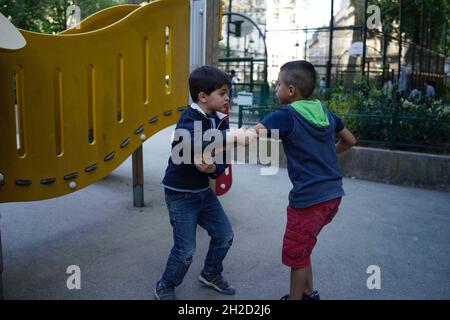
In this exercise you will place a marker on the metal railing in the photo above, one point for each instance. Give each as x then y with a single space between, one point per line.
393 131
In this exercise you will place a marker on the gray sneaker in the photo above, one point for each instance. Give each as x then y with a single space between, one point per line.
217 282
164 292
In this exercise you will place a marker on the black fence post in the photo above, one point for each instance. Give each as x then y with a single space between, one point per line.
228 34
429 49
385 66
444 87
251 75
240 116
413 66
421 49
330 47
363 60
394 121
400 43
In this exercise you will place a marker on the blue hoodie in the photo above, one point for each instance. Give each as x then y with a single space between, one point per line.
312 161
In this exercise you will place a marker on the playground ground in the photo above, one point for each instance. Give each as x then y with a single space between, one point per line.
122 250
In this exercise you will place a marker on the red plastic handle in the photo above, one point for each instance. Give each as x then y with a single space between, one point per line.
225 181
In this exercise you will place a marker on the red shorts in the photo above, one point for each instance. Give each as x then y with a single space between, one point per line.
303 226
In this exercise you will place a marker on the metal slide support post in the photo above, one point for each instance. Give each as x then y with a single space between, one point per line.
138 168
138 177
198 34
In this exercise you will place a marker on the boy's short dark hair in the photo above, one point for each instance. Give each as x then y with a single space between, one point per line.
207 79
300 74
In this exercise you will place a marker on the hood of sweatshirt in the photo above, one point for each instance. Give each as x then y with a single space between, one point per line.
315 117
312 111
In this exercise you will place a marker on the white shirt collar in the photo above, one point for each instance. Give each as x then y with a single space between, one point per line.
197 107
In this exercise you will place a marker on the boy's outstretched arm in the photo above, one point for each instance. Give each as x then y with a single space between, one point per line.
347 140
241 136
258 127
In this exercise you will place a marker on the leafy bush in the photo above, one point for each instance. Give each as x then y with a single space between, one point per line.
375 119
372 117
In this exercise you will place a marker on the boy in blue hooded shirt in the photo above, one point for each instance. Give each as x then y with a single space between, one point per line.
308 131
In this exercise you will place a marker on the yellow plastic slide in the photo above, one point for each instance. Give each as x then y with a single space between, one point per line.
74 106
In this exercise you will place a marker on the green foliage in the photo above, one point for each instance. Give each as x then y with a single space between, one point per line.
27 15
377 121
48 16
435 15
417 129
374 119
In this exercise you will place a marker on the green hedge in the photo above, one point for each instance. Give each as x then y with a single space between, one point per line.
376 119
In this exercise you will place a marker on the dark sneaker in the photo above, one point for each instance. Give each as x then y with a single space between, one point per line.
306 296
164 293
314 295
217 282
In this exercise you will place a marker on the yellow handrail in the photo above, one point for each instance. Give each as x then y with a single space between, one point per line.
103 18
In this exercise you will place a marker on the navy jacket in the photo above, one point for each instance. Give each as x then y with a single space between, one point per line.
185 175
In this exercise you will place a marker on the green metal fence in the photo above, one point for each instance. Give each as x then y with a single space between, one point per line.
393 131
251 115
399 131
260 91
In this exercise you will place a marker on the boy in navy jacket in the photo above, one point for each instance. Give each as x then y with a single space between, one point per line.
189 198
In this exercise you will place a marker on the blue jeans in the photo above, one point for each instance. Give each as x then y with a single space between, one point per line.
186 210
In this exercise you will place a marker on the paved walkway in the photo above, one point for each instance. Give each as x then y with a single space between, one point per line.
122 250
